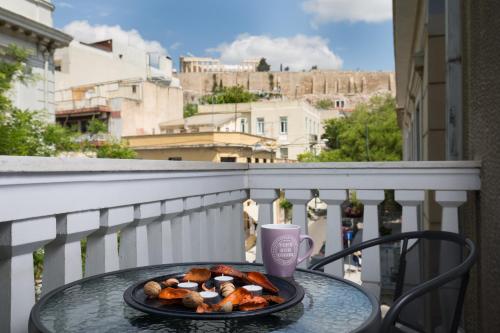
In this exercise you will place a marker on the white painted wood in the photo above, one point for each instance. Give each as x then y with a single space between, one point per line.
450 201
334 241
176 227
191 231
265 199
18 241
225 233
207 227
134 244
299 200
102 245
63 256
370 273
160 234
186 240
237 226
410 200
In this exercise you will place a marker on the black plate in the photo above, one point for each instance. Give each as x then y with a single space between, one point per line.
135 297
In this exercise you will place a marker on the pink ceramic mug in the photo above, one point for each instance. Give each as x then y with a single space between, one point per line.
280 245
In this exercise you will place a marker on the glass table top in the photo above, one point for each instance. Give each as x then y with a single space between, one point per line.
96 305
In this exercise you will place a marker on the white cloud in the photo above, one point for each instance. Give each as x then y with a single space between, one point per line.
298 52
84 32
63 4
372 11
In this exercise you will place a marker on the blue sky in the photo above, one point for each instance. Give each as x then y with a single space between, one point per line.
337 34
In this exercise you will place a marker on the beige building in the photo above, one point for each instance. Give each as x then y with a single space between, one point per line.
447 68
132 90
211 65
295 125
109 60
129 107
207 146
28 24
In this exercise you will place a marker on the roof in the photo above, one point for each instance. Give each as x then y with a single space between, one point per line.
215 119
46 34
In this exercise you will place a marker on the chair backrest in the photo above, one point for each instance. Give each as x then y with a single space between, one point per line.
431 277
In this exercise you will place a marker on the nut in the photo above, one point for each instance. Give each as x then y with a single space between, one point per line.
152 289
192 300
227 288
227 307
171 282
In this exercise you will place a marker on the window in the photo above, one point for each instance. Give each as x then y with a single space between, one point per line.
264 160
284 153
243 125
340 104
228 159
260 126
256 160
175 158
134 89
283 125
249 160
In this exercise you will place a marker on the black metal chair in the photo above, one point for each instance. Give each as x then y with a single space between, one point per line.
431 278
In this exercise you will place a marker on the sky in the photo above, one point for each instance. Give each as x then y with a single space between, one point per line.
331 34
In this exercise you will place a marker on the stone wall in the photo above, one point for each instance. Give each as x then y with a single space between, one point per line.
293 84
482 142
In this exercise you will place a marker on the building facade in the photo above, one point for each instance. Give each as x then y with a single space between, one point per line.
446 70
211 65
132 90
206 146
28 24
109 60
295 125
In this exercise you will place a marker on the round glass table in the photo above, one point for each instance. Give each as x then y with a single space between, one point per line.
96 304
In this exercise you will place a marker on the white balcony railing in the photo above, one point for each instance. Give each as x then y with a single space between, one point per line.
185 211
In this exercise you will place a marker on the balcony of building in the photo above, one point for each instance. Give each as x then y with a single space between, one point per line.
169 212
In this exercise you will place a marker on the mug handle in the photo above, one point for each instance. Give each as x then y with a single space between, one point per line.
311 247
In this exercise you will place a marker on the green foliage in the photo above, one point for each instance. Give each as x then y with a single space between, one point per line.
28 133
263 66
38 263
97 126
325 104
190 110
115 150
371 133
226 95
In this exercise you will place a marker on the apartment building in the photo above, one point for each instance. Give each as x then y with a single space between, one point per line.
28 24
295 125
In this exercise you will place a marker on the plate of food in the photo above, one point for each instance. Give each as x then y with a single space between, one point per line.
218 292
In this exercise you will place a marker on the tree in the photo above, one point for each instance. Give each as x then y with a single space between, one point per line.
325 104
263 66
28 132
228 95
190 110
97 126
371 133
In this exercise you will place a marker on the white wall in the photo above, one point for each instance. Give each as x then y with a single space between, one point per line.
37 10
82 65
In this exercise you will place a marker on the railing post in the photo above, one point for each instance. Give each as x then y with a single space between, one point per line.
63 256
410 200
450 201
18 241
191 235
223 227
134 248
265 200
160 233
239 226
102 245
209 215
299 199
370 273
334 241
